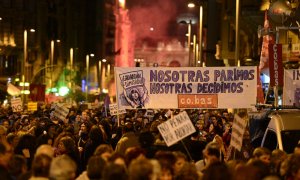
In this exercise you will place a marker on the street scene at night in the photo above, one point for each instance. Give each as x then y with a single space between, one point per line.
149 90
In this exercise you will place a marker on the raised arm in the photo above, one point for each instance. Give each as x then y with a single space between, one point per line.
128 99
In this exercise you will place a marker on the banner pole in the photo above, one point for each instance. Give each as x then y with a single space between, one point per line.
266 97
275 89
118 118
117 98
234 151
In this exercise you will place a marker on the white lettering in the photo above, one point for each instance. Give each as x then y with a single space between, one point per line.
276 73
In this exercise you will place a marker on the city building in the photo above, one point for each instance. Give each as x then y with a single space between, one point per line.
61 28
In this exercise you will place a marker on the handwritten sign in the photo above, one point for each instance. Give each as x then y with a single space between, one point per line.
150 113
113 108
291 88
61 112
32 106
16 104
238 130
177 128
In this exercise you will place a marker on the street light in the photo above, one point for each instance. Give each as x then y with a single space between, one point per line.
189 35
199 59
104 72
237 32
189 41
52 60
200 33
188 19
100 73
23 65
71 68
87 77
23 69
71 73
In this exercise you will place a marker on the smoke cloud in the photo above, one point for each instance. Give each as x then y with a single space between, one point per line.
156 14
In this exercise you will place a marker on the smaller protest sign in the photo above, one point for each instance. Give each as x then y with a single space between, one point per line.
122 111
32 106
238 129
150 113
60 112
89 105
113 109
16 104
177 128
291 88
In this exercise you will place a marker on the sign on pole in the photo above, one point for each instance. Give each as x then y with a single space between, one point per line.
177 128
238 130
16 104
275 64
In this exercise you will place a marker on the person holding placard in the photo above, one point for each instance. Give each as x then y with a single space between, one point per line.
128 139
212 153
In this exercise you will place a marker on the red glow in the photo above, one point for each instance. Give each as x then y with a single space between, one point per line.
157 16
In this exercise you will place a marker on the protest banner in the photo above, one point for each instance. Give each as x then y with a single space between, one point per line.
186 87
16 104
291 88
176 129
238 130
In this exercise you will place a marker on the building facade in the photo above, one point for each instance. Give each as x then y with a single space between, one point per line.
85 26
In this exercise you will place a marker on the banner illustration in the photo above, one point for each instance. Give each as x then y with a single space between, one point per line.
134 93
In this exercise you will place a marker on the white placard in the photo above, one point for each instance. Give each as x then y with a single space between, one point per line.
113 109
238 130
291 88
177 128
32 106
16 105
60 112
150 113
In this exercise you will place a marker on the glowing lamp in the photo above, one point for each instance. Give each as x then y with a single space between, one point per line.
63 91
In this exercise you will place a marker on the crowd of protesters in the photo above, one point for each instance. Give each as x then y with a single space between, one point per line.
91 144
